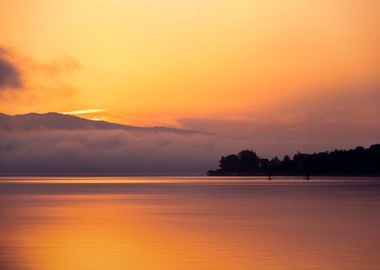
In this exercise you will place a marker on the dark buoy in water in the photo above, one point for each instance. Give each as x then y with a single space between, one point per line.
269 176
307 175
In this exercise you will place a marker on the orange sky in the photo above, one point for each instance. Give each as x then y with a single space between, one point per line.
150 62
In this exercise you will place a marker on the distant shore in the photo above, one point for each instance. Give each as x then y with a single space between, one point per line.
354 162
211 174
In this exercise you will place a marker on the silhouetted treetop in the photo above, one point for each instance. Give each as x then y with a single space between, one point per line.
358 161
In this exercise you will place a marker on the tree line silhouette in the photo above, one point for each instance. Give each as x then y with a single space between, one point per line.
358 161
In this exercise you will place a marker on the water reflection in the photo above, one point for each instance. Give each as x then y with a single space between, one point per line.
170 225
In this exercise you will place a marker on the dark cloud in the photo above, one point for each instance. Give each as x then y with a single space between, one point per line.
36 82
10 77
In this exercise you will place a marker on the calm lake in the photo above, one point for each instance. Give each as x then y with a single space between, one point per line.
113 223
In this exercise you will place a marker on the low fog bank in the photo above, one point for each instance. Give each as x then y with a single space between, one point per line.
122 152
110 152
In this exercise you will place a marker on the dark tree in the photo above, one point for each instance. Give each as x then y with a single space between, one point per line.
248 162
264 165
229 164
358 161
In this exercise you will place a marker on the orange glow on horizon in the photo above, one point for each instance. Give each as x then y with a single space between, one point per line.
150 62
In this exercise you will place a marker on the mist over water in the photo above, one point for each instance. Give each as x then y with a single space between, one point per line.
189 223
110 152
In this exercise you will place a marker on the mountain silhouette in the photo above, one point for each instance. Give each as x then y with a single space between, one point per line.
57 121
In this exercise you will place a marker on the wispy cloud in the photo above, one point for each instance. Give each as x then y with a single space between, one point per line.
27 84
84 111
344 118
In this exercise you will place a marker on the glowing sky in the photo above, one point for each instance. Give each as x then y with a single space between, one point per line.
172 62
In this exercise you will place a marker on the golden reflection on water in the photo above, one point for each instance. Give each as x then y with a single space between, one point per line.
99 232
191 229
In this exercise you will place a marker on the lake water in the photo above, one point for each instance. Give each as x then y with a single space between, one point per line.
196 223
